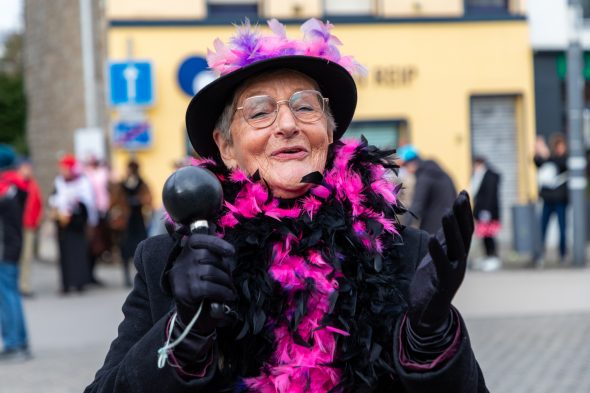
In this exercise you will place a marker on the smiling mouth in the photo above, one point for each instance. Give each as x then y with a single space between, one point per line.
290 152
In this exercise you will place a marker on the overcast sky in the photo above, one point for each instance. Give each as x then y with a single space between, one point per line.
11 15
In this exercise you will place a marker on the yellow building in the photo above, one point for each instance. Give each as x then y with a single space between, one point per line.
453 79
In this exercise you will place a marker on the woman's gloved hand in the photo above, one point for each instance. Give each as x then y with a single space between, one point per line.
202 271
441 271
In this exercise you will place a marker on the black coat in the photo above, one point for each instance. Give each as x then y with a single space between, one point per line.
130 365
560 193
487 196
434 194
12 204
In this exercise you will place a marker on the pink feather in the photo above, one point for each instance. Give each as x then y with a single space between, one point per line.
293 367
248 46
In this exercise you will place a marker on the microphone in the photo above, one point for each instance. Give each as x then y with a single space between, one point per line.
193 196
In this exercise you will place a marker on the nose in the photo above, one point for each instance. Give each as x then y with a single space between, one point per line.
286 122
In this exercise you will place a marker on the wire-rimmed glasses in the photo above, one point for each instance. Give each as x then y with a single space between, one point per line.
261 111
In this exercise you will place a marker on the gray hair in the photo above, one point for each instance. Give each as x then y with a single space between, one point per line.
223 124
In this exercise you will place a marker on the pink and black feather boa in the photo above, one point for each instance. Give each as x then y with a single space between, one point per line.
319 285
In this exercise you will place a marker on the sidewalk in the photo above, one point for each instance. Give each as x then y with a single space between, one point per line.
524 292
530 331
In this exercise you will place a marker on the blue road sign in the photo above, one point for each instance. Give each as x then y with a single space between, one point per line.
131 83
132 135
193 74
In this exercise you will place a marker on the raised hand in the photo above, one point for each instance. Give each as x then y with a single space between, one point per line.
441 271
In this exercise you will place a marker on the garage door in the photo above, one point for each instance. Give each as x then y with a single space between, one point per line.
493 135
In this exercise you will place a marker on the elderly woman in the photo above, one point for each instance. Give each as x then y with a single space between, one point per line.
322 289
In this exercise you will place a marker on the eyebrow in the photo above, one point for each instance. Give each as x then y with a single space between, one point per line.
262 93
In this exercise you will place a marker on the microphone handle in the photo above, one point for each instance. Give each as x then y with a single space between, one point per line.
217 310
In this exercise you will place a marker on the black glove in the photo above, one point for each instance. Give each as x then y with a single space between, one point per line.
202 271
441 272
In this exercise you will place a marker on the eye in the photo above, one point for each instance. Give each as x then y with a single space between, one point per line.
258 109
258 115
303 107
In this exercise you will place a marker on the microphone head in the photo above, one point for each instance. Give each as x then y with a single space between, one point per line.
192 193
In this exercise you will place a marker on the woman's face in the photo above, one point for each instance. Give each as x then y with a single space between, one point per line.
286 150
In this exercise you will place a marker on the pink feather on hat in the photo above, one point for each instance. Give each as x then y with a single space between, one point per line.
249 46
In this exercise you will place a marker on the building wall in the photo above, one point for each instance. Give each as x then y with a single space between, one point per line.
290 8
424 73
421 8
549 100
197 9
155 9
54 80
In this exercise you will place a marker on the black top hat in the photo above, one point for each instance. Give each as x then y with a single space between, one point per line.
334 80
206 107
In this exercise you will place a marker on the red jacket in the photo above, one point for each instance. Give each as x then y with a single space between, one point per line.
33 206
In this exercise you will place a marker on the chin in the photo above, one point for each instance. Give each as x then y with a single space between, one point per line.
290 192
288 186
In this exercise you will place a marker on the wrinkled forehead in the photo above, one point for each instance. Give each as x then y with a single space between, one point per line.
265 83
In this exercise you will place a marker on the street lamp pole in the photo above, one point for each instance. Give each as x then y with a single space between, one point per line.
87 39
577 158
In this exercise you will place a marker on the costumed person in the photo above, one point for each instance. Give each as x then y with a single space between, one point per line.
485 188
13 195
100 243
552 176
433 190
73 210
131 207
31 223
159 224
323 289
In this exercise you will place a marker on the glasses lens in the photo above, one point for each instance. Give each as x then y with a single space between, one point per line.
307 105
259 111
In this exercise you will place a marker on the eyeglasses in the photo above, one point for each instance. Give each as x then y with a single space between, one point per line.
261 111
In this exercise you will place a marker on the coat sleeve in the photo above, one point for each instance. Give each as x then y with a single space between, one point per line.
131 363
460 374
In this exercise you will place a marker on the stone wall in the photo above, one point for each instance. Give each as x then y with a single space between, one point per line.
54 80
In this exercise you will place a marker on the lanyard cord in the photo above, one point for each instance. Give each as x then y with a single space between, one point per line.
168 346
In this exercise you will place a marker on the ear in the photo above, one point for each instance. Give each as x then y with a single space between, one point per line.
226 149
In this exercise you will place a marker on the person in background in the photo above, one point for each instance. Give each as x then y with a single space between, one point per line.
406 178
131 207
159 225
434 190
485 188
13 195
100 236
552 178
73 210
31 222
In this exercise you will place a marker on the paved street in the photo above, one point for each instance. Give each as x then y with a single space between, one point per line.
530 331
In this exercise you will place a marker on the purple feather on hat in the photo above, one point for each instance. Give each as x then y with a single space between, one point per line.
249 46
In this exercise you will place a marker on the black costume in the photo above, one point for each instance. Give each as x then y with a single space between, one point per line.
486 197
371 298
434 193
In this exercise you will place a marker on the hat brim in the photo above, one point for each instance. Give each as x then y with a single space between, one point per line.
206 106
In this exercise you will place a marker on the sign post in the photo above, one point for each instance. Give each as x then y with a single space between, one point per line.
575 107
131 91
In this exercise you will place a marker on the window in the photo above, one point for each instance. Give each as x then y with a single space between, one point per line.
383 134
348 7
486 6
232 9
585 8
